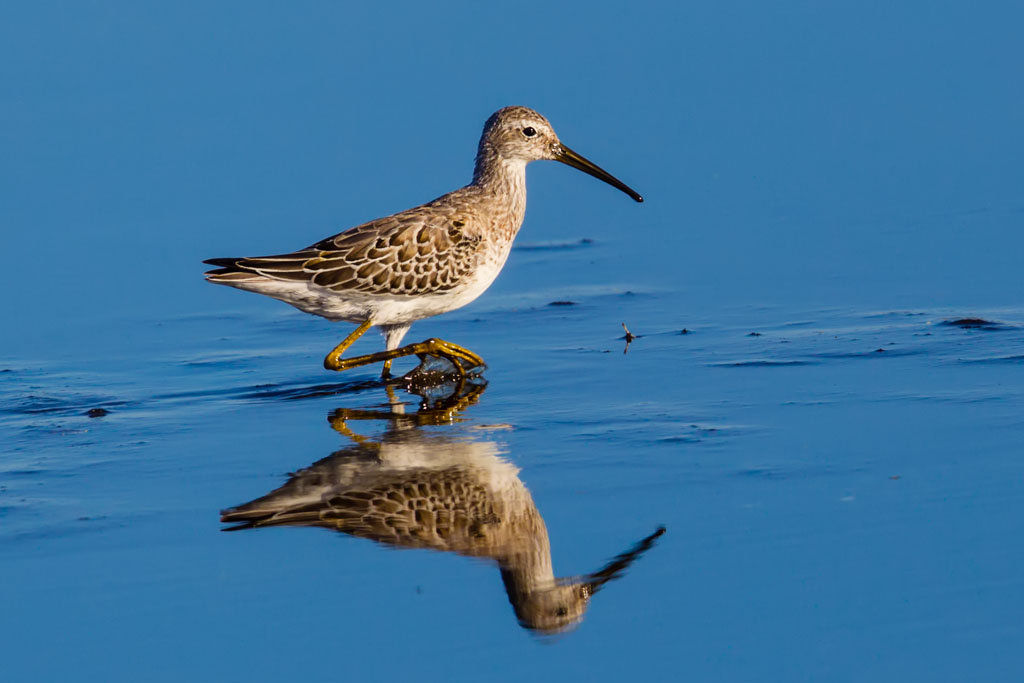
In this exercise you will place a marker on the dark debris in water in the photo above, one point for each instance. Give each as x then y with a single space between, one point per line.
868 354
754 334
762 473
563 303
974 324
36 404
554 246
685 331
1013 358
681 439
761 363
96 412
895 314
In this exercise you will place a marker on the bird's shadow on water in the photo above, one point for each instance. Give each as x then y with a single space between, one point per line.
287 391
433 377
424 378
418 487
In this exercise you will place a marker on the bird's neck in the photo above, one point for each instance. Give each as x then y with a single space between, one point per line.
527 571
504 180
525 560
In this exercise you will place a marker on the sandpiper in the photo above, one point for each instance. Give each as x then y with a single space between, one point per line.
428 260
415 488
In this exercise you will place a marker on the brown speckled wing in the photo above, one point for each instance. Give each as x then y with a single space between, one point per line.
420 251
440 509
415 252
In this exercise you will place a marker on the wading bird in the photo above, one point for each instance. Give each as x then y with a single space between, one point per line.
419 263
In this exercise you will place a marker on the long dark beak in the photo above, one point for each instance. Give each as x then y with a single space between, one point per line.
617 567
567 156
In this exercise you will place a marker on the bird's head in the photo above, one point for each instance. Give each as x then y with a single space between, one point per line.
521 134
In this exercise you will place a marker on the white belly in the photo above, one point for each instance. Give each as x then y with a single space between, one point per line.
381 309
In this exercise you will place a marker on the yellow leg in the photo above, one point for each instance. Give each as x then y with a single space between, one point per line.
444 412
453 353
333 360
386 372
338 424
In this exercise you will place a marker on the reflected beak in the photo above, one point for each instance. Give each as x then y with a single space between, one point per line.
571 158
620 564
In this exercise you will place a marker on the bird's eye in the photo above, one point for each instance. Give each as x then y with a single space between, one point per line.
529 131
561 611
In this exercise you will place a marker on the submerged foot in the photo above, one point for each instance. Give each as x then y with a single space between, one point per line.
454 359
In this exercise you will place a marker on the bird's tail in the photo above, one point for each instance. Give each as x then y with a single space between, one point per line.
258 513
228 271
286 267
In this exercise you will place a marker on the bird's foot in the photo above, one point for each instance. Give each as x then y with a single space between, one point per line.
461 361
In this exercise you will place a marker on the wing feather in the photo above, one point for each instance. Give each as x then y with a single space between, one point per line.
420 251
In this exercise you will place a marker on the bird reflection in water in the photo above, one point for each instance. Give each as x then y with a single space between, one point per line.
425 488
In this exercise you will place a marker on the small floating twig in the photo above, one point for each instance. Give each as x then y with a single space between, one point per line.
629 337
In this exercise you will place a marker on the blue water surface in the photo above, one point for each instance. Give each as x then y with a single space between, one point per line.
833 216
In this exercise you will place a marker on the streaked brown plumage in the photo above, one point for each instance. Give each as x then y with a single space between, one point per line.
425 250
422 489
422 262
